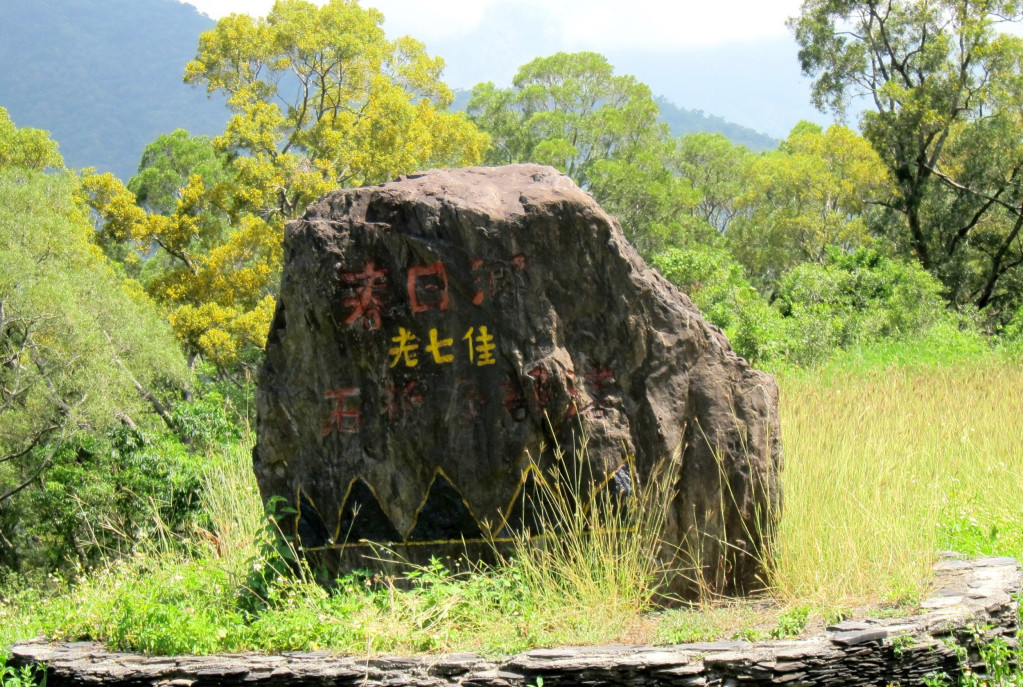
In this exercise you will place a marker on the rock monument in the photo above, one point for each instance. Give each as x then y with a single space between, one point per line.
438 336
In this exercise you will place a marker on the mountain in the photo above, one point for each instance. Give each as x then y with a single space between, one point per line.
103 76
682 121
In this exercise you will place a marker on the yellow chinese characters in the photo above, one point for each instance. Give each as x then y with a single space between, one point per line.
406 348
481 348
435 348
405 352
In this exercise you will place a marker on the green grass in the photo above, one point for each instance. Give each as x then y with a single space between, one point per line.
885 465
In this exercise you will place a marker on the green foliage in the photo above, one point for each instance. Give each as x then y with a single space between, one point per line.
944 83
568 110
854 298
207 422
101 496
797 201
791 623
714 167
901 643
275 570
860 303
936 679
26 148
25 676
77 343
718 286
322 99
166 165
1011 336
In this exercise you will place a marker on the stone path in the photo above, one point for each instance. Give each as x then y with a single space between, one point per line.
970 594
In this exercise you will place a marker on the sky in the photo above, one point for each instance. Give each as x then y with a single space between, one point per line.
731 58
577 24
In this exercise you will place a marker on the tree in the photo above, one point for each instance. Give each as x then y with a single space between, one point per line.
571 111
943 87
364 110
26 148
715 168
322 99
82 349
802 199
568 110
168 163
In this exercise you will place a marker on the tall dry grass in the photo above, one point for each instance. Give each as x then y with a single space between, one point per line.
232 501
879 462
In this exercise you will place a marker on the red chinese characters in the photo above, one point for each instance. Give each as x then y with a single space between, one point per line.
399 401
490 277
370 287
346 416
428 287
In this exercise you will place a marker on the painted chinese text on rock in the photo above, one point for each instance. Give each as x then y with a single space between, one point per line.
434 360
435 337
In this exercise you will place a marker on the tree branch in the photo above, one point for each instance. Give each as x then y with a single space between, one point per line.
42 466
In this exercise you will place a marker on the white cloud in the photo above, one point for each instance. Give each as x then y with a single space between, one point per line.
612 24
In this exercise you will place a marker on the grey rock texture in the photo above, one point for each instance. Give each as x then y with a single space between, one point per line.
437 336
973 594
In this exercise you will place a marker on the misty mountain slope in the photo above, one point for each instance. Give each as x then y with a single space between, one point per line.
103 76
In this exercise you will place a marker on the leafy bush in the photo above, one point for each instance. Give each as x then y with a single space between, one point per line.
207 422
852 300
101 496
855 298
1011 335
718 286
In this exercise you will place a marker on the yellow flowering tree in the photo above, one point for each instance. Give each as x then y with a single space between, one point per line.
321 100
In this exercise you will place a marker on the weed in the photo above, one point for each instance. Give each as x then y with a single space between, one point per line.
791 623
936 679
25 676
901 643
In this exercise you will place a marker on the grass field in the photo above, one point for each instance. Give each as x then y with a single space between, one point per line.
885 465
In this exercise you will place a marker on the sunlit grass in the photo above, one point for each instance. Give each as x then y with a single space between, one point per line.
885 465
882 466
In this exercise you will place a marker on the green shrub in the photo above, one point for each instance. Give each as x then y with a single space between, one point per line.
855 298
102 495
718 286
207 422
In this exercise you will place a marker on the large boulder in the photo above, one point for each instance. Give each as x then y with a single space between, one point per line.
437 337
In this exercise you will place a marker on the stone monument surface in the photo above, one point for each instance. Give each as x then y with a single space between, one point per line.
436 337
